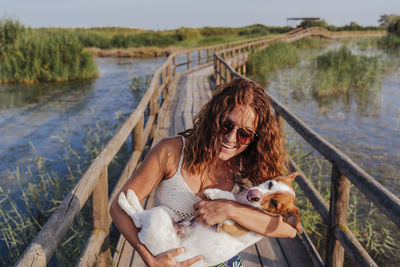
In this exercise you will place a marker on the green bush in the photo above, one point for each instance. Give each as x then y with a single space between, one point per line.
28 56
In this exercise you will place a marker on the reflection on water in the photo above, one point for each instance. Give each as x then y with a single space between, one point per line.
39 116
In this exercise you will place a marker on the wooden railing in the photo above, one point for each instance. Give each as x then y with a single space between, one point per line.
344 170
95 180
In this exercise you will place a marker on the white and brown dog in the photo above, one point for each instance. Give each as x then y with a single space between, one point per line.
159 233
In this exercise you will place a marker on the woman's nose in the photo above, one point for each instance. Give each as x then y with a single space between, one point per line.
231 136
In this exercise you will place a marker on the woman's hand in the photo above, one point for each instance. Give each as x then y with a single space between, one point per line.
210 212
168 259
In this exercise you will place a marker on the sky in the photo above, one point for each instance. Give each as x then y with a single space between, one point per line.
172 14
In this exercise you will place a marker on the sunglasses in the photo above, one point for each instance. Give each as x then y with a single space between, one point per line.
243 136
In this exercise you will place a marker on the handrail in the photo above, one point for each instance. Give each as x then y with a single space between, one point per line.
94 181
344 170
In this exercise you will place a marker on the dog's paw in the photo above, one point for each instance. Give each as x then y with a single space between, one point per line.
134 200
218 194
124 204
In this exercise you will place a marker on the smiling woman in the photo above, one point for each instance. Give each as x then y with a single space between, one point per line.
234 143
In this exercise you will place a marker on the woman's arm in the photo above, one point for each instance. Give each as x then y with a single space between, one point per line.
212 212
161 161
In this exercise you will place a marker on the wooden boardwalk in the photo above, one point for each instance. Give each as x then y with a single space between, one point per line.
192 92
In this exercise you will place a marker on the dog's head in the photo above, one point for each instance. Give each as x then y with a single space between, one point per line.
276 196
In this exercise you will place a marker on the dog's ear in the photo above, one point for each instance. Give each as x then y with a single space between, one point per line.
292 217
292 176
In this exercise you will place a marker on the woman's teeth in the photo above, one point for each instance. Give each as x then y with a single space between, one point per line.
227 146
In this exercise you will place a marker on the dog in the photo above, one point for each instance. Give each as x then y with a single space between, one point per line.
217 244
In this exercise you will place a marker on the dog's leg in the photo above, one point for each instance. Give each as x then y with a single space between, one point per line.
232 228
218 194
126 206
134 201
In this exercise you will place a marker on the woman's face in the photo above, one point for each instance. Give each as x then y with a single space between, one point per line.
241 117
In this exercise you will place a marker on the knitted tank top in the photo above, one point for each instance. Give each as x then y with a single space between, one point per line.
175 195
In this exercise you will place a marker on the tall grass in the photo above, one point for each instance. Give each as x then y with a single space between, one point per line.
29 56
262 64
390 42
342 73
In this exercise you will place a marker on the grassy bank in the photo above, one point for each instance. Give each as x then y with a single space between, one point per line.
29 56
112 37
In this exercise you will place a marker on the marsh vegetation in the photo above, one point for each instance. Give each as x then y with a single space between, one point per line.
29 56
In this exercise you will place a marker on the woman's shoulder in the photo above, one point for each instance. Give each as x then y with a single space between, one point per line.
170 144
169 150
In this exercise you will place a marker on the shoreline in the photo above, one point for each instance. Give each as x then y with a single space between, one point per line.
140 52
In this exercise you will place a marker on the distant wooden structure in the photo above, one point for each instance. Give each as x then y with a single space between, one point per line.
301 19
176 92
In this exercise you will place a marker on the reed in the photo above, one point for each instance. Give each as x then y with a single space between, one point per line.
342 73
262 64
29 56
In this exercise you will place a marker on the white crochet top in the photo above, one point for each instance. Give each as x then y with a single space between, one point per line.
175 195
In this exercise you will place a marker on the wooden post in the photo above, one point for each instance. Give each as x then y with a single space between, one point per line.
101 218
244 69
174 63
218 71
154 109
163 76
281 124
199 56
228 75
339 203
188 60
137 137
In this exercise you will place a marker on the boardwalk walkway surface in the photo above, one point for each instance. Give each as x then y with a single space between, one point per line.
192 92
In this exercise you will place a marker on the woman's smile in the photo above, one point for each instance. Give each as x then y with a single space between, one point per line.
241 117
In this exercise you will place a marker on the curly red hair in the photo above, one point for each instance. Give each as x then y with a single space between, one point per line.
264 158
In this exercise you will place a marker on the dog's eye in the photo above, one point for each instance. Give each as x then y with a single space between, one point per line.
270 184
273 203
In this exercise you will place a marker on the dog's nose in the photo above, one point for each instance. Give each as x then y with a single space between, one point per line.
254 195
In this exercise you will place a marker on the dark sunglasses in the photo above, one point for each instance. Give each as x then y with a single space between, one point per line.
243 136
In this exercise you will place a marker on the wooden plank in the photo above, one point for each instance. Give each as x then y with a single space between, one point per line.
126 254
294 252
251 257
188 102
270 252
178 123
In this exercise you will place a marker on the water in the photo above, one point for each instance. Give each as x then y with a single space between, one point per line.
34 118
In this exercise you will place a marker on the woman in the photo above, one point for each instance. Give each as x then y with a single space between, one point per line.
234 141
